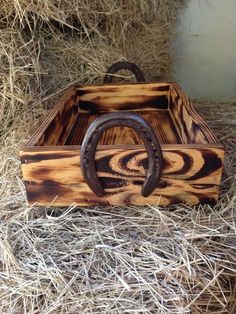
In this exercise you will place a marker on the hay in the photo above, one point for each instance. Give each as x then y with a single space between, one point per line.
41 39
102 260
87 61
110 19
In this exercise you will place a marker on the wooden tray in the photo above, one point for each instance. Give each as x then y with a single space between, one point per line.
154 150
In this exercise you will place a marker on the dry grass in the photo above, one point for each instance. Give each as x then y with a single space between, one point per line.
110 19
117 260
102 260
46 45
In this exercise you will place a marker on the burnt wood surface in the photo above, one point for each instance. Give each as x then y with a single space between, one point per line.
190 175
58 123
193 157
160 121
120 97
190 126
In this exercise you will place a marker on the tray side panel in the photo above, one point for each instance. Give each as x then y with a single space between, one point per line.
190 176
107 98
188 122
58 123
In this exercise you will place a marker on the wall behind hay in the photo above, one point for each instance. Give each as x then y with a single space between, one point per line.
205 60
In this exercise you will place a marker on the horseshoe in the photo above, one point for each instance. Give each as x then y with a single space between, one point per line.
124 65
142 128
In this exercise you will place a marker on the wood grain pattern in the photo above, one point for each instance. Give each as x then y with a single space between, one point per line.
187 176
160 121
138 96
58 122
189 124
59 128
193 158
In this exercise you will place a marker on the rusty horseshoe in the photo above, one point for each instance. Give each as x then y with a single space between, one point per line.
124 65
142 128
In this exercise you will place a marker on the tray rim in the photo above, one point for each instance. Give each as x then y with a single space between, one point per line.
72 90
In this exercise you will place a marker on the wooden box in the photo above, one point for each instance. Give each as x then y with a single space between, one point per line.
183 163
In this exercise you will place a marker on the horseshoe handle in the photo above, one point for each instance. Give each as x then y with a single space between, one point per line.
124 66
142 128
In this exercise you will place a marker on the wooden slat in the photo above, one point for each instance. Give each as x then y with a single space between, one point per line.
190 175
126 88
189 124
59 128
52 121
133 97
160 121
175 192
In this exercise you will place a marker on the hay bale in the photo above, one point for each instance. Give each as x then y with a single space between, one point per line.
119 260
79 41
19 71
67 60
112 19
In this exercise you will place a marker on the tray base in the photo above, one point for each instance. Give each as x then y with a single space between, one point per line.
160 121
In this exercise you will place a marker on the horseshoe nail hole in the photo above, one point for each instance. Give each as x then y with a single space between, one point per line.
162 184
